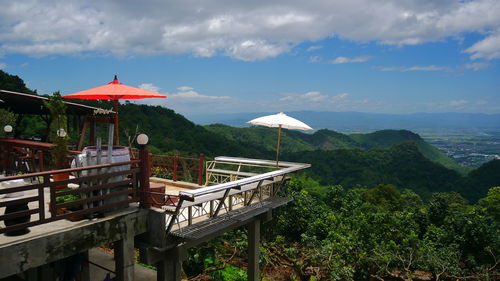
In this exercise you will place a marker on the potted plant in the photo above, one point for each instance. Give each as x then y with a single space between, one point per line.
66 199
57 134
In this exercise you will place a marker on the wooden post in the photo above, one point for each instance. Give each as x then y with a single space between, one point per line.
92 131
176 158
40 160
200 169
144 180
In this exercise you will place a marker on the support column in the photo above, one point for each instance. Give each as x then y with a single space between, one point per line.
169 269
47 272
31 274
85 275
124 257
253 250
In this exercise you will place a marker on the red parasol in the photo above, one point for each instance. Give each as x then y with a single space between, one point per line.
115 91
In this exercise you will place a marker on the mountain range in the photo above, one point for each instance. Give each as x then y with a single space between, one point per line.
367 122
399 157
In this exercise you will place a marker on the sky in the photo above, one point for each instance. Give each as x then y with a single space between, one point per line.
386 56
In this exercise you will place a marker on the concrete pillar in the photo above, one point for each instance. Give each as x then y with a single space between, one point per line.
124 257
47 272
253 250
31 274
85 274
169 269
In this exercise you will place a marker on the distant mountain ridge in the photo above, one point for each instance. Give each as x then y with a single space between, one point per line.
294 141
365 122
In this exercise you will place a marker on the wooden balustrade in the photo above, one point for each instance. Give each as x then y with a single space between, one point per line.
177 168
100 188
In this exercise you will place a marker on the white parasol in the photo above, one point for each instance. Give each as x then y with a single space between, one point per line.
280 120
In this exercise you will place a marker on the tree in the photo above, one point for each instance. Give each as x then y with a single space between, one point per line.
57 129
491 203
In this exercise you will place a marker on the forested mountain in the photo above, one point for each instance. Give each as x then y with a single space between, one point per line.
401 165
294 141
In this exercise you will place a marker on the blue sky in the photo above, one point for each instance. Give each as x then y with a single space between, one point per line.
388 56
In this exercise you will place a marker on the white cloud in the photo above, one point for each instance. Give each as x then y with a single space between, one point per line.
188 93
488 48
315 59
150 87
3 65
184 88
251 50
341 60
415 68
476 66
314 100
314 48
244 30
458 103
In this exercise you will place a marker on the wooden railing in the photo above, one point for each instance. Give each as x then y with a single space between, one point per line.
176 168
101 188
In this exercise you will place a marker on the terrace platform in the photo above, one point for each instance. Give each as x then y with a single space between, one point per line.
238 192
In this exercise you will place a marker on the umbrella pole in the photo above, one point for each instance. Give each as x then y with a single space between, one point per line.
116 123
278 146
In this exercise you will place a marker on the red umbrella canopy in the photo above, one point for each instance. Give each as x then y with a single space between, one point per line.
114 90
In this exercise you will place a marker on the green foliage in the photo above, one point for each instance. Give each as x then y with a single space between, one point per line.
383 232
481 179
67 198
58 121
491 203
400 165
13 83
7 118
385 196
229 273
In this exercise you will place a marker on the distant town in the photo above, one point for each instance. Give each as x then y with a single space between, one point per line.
467 149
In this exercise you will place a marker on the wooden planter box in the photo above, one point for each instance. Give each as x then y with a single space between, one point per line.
63 211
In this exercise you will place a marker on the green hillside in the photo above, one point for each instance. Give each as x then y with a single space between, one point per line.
402 165
295 141
263 136
386 138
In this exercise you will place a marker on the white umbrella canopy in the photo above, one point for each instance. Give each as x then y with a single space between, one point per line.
280 120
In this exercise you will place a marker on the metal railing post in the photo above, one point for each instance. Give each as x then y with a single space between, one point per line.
144 179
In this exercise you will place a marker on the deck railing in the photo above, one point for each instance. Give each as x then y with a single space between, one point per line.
178 168
101 188
224 196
